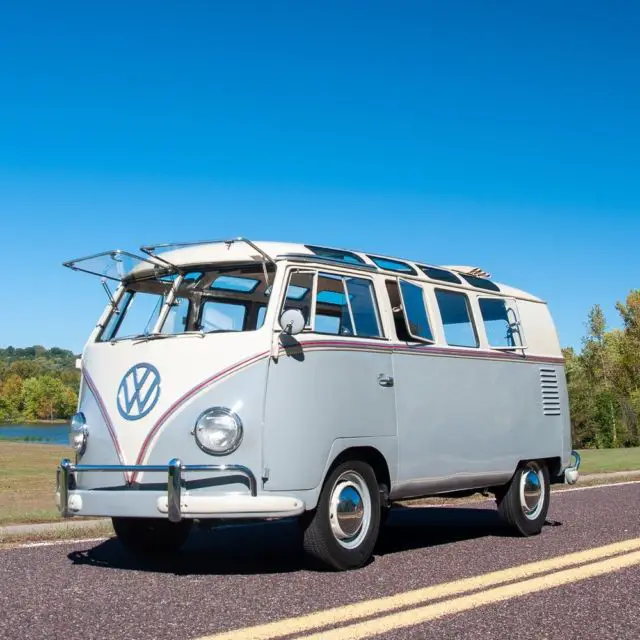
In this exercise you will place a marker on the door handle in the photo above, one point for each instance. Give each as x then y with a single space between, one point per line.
385 380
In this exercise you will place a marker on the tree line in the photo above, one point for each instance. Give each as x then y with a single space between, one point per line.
37 384
603 380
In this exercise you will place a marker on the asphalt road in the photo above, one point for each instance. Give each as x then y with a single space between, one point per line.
234 578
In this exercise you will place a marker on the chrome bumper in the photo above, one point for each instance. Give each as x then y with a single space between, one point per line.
571 473
174 471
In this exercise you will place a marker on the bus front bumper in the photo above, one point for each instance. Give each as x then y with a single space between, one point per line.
172 503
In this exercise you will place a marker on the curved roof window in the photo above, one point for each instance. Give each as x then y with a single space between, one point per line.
392 265
235 283
441 274
336 254
480 283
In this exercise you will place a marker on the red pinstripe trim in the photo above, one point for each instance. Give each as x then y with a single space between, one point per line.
173 408
347 345
106 418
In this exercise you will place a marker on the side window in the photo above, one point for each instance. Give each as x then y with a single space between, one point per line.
335 304
222 316
500 322
455 311
415 311
363 307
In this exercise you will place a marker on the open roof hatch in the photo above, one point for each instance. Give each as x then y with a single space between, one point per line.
118 265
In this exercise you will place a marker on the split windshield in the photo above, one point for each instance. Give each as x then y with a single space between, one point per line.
205 301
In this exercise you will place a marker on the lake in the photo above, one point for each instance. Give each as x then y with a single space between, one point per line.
37 433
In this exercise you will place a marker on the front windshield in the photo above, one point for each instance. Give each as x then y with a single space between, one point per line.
207 300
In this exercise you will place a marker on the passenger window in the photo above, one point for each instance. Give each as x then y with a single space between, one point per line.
500 323
363 307
222 316
346 306
455 312
415 311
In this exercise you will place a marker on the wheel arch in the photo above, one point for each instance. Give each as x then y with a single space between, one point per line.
372 456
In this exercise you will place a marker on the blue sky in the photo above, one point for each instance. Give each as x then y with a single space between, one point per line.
479 133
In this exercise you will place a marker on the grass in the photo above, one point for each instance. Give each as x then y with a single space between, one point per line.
28 482
61 532
608 460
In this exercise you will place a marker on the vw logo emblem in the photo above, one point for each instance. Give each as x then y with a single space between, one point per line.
139 391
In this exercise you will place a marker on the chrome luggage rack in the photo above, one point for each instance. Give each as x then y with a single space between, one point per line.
174 471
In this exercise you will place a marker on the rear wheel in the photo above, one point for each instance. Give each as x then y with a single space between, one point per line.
524 502
343 530
151 536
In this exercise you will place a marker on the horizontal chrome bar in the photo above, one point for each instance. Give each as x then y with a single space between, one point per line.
174 470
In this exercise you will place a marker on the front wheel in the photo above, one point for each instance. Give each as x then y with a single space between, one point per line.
151 536
343 530
524 503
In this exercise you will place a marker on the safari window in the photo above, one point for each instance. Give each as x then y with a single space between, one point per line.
415 311
222 316
455 312
500 322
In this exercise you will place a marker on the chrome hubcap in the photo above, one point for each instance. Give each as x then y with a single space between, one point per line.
350 509
532 492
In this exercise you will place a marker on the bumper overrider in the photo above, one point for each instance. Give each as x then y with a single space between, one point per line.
174 503
571 472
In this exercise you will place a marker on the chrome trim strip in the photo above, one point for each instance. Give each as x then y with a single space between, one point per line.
174 471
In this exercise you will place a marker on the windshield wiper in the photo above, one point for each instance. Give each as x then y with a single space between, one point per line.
145 337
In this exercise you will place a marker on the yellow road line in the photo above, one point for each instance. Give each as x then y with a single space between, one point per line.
420 615
348 613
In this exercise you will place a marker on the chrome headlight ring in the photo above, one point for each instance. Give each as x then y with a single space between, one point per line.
78 433
218 431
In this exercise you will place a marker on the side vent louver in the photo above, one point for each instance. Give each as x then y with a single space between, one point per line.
550 392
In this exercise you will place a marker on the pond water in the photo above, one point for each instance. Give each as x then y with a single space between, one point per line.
37 433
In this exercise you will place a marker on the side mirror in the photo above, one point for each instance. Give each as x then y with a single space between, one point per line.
292 321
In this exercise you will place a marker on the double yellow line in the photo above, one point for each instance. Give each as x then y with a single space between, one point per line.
373 617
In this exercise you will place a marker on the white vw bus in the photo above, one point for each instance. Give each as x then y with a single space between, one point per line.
233 380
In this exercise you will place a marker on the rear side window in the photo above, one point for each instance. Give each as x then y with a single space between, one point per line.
500 322
415 311
455 312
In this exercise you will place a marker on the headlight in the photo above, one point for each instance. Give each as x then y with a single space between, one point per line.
78 433
218 431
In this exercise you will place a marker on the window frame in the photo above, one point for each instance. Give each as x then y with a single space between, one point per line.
342 276
471 313
505 299
426 310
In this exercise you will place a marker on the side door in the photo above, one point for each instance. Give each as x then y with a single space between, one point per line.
330 386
